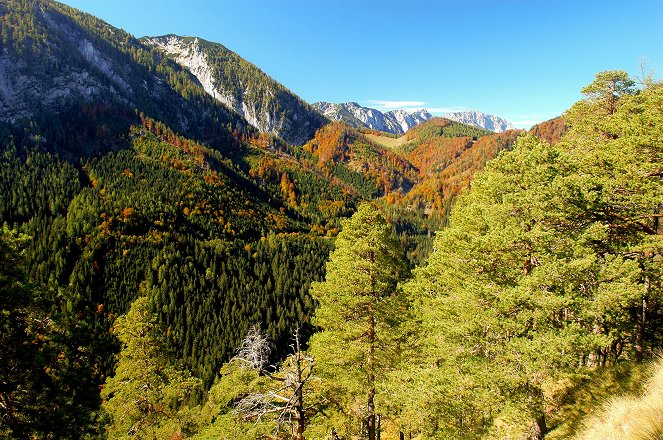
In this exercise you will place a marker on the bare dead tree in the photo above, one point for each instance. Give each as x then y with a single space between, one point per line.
285 403
255 349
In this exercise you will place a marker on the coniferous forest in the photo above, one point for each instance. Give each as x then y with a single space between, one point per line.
168 271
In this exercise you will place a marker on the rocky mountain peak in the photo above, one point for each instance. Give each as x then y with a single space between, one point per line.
395 121
478 119
242 86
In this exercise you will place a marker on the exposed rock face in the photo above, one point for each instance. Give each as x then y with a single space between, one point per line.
240 85
401 121
27 87
81 59
478 119
396 121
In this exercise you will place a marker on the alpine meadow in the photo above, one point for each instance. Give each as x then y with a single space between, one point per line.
190 250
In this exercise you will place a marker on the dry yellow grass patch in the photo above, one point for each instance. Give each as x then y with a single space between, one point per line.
387 141
631 417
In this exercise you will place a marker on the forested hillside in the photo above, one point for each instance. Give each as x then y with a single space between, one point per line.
546 279
168 270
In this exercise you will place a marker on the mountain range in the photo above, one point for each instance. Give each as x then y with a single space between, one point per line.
76 86
395 121
197 80
170 168
400 121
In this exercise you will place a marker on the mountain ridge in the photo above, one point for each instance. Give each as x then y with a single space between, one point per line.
395 121
56 61
240 85
400 121
479 119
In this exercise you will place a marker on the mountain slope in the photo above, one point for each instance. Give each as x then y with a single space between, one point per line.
446 154
354 159
351 113
55 59
240 85
135 181
550 131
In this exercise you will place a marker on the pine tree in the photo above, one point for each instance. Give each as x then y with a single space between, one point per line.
503 296
618 148
147 396
608 87
360 310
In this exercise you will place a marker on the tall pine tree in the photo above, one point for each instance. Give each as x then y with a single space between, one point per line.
360 311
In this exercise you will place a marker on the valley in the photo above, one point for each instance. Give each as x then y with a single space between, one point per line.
189 249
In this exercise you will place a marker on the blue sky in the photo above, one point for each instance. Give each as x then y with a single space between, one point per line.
522 60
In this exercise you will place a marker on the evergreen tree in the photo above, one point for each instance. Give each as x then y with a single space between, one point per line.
19 373
550 263
503 298
147 396
619 152
360 310
608 87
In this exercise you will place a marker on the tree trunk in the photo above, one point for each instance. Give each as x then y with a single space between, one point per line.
300 391
300 430
370 416
538 429
642 322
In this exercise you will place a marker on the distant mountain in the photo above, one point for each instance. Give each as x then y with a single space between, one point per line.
396 121
242 86
400 121
478 119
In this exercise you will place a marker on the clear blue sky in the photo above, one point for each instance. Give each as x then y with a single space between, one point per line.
523 60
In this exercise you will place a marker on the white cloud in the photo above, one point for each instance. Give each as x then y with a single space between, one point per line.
443 110
393 105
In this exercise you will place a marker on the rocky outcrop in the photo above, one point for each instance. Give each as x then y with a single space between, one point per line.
478 119
240 85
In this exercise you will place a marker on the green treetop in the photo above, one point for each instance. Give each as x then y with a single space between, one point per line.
147 395
359 312
608 87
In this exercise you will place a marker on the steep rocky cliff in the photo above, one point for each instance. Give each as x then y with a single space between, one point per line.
240 85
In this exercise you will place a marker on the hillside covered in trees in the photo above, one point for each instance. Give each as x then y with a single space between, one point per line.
171 271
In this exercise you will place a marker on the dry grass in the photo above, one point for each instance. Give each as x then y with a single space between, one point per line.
387 141
630 417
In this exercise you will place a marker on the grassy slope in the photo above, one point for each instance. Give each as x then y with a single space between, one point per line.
622 402
387 141
632 416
